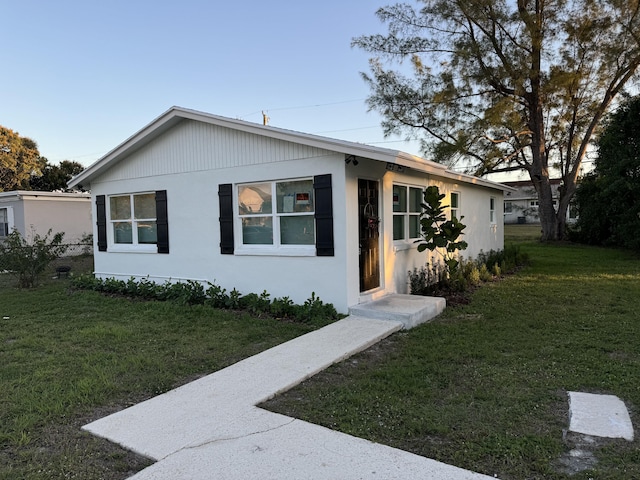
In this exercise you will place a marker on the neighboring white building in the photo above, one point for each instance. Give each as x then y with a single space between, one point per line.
521 204
252 207
36 212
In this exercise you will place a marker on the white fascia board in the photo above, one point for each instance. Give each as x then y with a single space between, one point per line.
175 115
35 194
464 178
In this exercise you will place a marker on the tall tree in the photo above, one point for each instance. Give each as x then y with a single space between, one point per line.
608 199
19 159
503 85
54 177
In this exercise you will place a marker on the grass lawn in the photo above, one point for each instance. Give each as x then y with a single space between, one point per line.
67 358
484 386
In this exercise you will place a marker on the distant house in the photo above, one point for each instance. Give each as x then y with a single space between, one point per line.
37 212
252 207
521 205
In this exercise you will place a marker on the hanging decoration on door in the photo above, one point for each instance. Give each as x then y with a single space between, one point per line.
372 220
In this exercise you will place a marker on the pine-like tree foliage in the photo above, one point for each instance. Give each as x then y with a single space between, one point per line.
504 85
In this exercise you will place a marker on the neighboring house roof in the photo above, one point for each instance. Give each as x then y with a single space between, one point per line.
175 115
18 194
524 189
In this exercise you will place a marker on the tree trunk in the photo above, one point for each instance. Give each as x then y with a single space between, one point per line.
561 224
566 191
548 217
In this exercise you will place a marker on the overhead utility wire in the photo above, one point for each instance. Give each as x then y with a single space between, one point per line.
278 109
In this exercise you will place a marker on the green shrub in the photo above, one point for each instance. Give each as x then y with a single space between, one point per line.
216 296
472 273
283 307
193 293
315 309
496 270
427 280
26 258
255 303
485 275
435 279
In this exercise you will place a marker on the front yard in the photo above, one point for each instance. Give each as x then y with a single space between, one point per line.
67 358
484 386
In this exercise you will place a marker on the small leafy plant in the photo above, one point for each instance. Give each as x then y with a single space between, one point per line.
439 234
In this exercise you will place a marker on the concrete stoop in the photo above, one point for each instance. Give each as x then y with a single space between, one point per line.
410 310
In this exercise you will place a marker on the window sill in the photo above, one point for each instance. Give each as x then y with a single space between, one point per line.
402 245
115 248
277 251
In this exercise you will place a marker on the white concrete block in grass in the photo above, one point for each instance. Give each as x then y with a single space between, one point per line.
599 416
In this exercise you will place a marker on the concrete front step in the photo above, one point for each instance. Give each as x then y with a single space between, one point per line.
410 310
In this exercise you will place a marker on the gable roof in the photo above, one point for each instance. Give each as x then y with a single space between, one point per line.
175 115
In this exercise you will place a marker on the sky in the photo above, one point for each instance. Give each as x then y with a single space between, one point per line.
82 76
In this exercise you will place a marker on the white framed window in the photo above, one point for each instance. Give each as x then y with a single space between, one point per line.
454 205
536 203
406 212
277 215
492 210
508 207
133 222
4 222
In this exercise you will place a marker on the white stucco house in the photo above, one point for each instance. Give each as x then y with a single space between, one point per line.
36 212
252 207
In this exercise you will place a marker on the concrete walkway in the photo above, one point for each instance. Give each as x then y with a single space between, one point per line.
212 429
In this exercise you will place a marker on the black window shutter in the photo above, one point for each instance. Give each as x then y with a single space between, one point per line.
101 222
324 215
225 196
162 221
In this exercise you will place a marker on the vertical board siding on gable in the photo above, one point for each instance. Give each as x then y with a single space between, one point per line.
194 146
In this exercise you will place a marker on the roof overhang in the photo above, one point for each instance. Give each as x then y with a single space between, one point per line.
34 194
175 115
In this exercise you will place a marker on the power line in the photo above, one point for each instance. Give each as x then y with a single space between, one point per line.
348 129
300 107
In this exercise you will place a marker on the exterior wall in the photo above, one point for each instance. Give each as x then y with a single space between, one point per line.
521 211
399 257
71 216
198 147
192 159
32 212
481 235
193 212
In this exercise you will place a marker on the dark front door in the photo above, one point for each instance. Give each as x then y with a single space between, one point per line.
369 235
